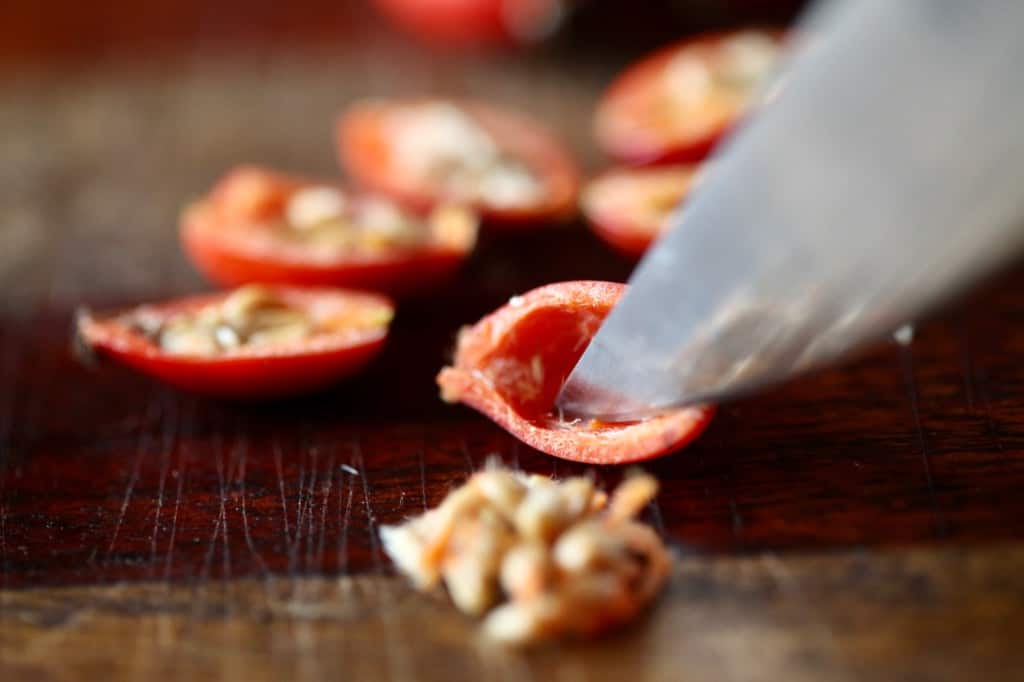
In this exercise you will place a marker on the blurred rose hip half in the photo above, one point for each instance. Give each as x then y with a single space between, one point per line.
508 167
629 208
257 225
675 104
476 23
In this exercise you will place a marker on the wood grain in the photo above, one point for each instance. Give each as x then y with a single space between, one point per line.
923 615
106 475
117 478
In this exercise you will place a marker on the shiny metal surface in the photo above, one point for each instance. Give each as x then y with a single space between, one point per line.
887 173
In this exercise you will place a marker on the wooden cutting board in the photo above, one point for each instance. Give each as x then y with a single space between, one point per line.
862 523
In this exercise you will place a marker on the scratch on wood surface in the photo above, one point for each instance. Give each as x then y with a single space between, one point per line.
422 461
464 447
280 483
310 513
315 487
182 471
133 477
223 463
398 661
371 517
328 487
305 494
296 536
907 361
246 533
211 545
170 427
225 474
344 518
201 586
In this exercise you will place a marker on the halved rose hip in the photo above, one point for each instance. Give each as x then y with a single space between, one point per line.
629 207
261 226
423 152
675 104
255 342
476 23
511 365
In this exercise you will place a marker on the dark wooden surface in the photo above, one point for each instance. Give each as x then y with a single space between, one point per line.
108 480
917 616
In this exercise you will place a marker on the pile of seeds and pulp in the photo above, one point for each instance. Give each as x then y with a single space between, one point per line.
541 558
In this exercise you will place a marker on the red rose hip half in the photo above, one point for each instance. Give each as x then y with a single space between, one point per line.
675 104
511 365
505 165
253 343
266 227
629 208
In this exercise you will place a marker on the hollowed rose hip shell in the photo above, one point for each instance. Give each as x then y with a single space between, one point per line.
512 363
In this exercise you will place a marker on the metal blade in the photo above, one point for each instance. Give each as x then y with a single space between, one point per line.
887 173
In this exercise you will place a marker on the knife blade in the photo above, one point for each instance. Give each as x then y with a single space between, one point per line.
885 174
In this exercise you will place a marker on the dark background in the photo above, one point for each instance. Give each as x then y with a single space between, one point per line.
73 34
